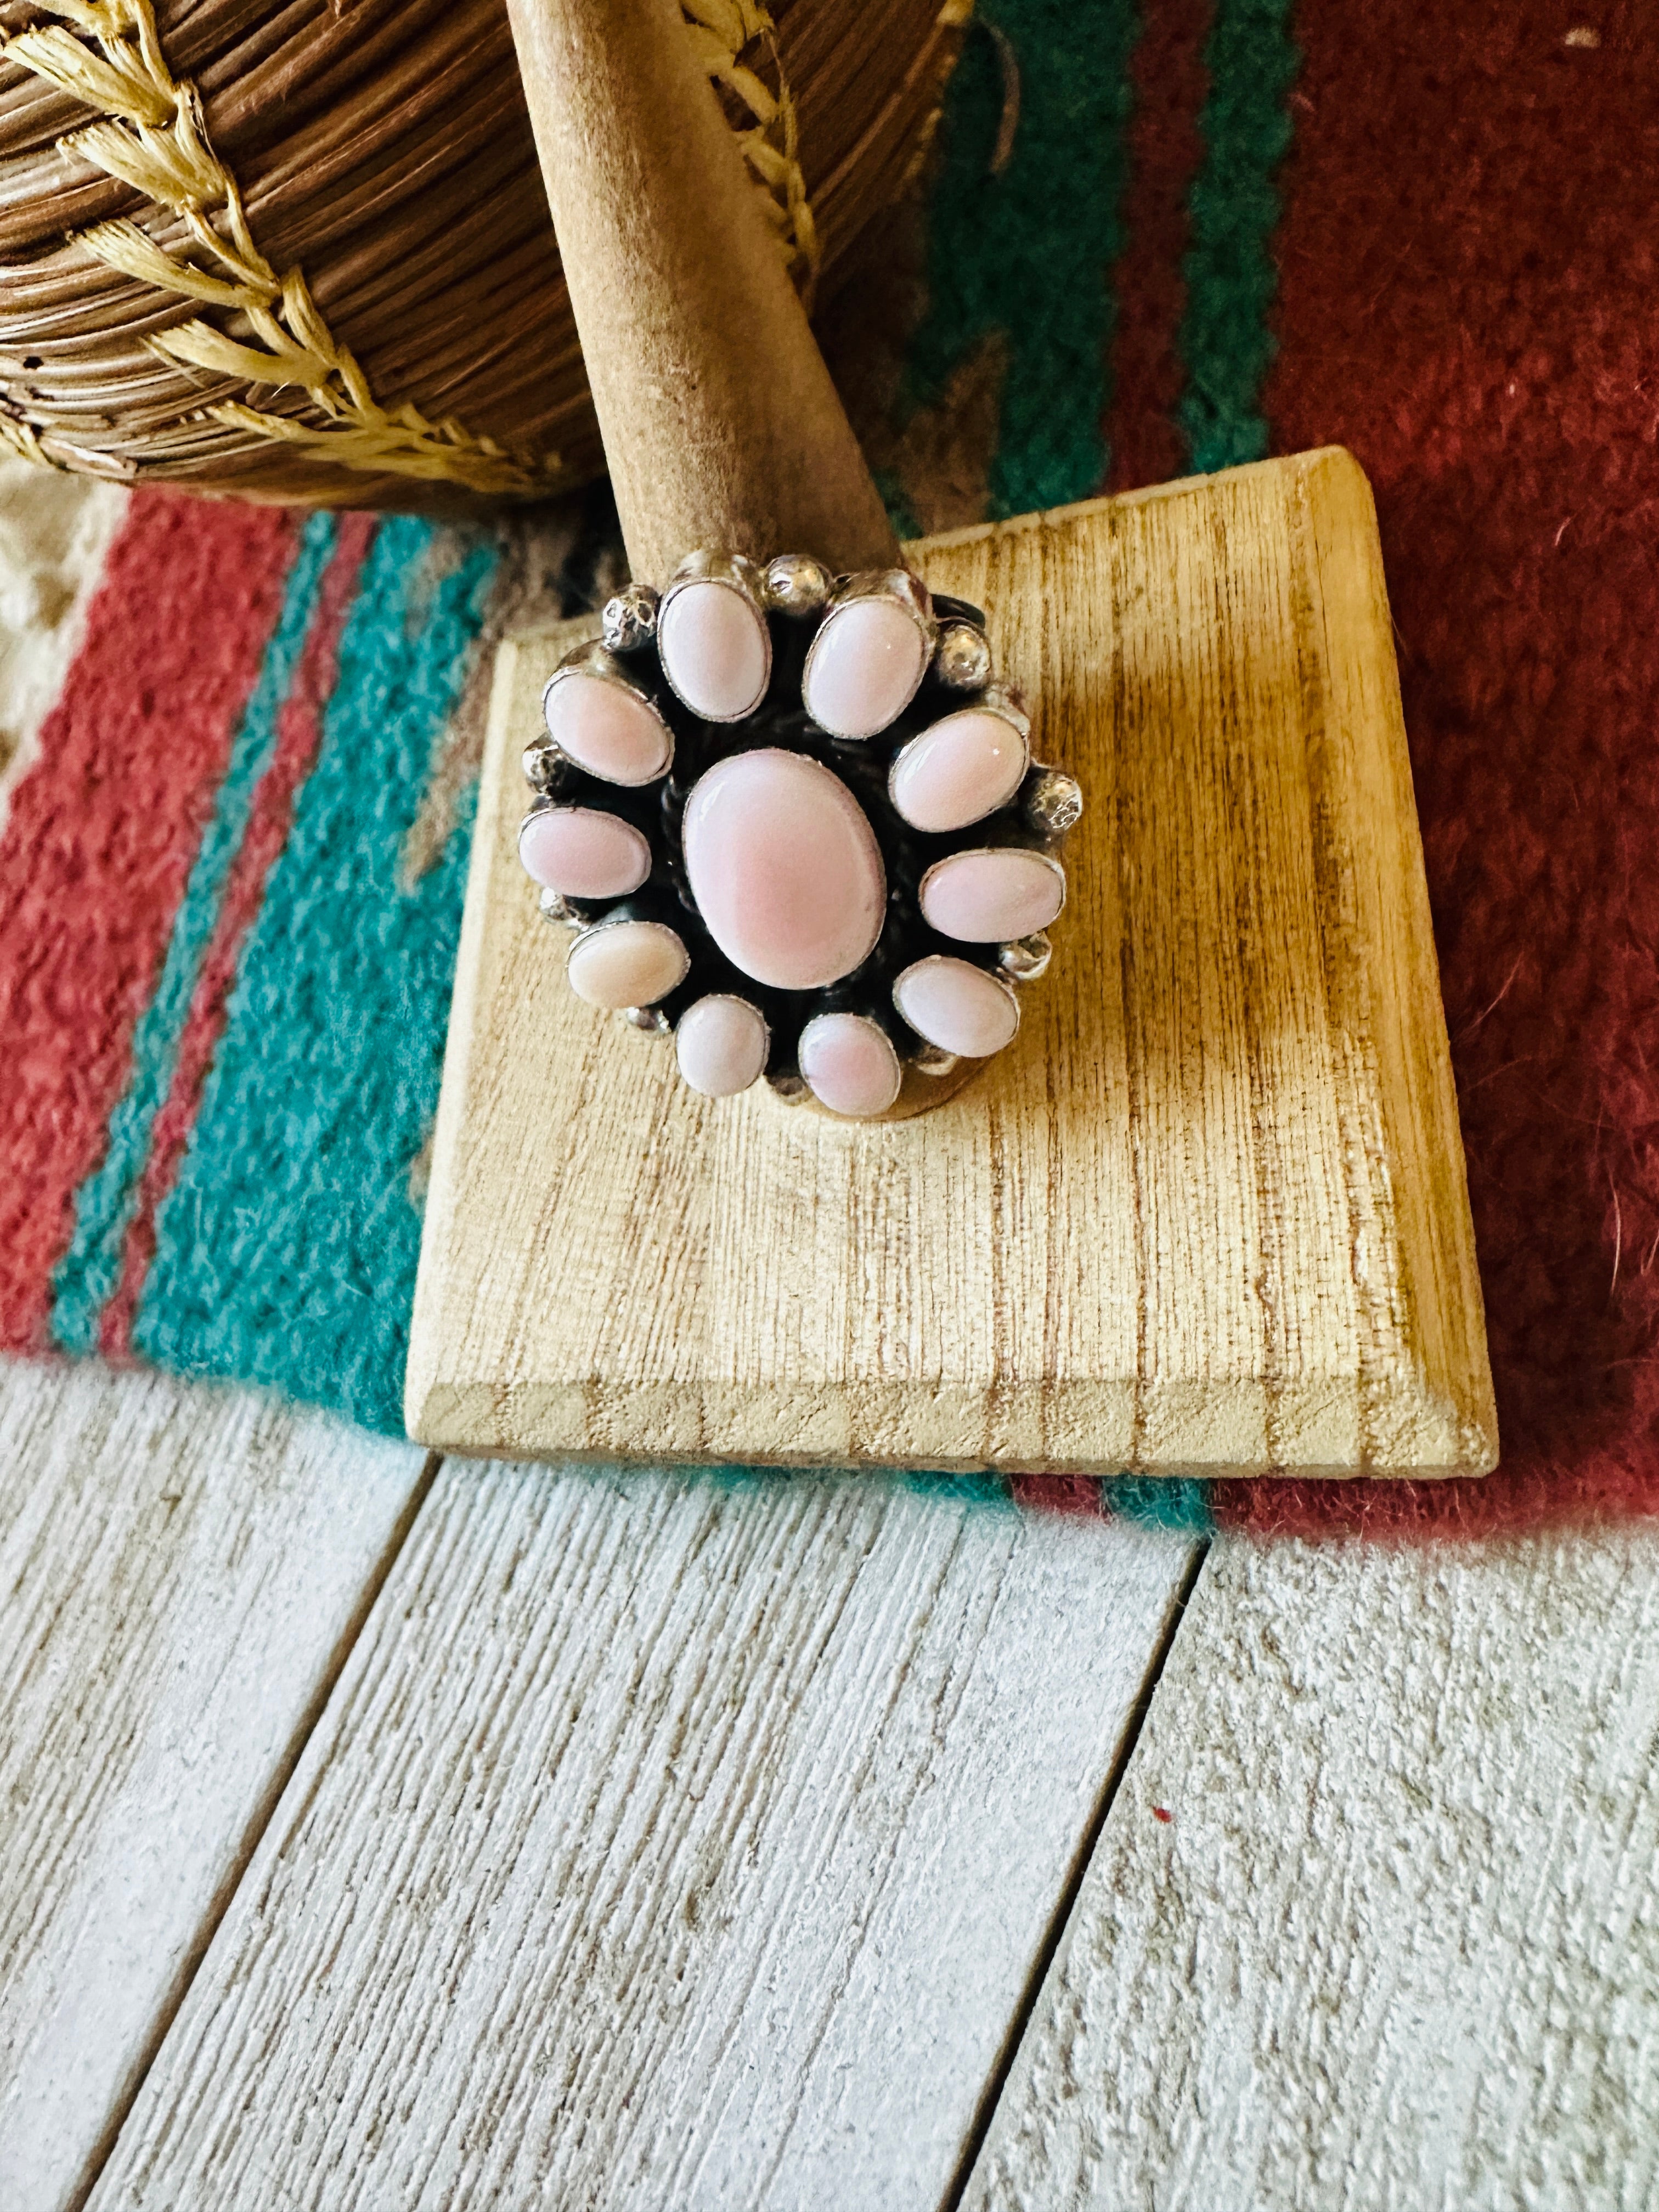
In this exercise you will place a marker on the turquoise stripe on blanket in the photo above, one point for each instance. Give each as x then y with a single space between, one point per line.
89 1271
287 1250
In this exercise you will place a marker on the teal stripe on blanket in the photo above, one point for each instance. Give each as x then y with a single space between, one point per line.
1028 253
1224 339
287 1250
88 1274
1159 1501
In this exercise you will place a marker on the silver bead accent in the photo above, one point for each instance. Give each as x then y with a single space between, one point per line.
554 909
650 1019
934 1059
1053 802
542 764
962 660
792 1089
1026 958
630 618
796 584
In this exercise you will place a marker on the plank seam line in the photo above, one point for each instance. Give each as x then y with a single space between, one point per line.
1020 2020
259 1820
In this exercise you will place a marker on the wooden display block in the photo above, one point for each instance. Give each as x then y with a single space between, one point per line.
1207 1214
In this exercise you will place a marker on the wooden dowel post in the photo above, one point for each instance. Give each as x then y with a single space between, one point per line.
721 423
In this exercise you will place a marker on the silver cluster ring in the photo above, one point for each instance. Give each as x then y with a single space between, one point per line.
795 825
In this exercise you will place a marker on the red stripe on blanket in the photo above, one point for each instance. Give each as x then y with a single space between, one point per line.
1058 1493
99 844
1169 82
299 732
1469 262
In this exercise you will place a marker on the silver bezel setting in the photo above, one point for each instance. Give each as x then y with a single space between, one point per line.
905 591
735 572
546 803
973 852
734 998
1003 713
593 929
1000 982
833 1014
597 663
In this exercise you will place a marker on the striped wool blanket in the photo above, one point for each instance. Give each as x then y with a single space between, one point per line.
1161 236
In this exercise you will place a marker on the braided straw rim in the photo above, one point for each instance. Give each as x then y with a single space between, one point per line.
719 30
107 54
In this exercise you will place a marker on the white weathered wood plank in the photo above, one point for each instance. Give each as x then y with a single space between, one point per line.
180 1573
1398 1944
664 1844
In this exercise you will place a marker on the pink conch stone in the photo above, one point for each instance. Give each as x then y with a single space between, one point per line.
607 729
626 963
721 1043
784 869
864 667
960 770
849 1065
584 853
715 650
987 898
957 1006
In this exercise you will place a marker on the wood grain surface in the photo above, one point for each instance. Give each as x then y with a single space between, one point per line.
181 1572
1395 1948
1208 1213
664 1843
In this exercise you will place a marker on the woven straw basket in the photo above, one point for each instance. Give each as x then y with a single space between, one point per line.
299 249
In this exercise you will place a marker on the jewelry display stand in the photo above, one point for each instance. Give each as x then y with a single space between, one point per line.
1206 1214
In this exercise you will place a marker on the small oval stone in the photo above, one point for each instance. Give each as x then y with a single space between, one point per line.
626 963
850 1065
958 771
583 853
957 1006
785 868
984 897
716 650
722 1043
864 667
608 729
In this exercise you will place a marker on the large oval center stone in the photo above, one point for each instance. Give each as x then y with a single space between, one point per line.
784 869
